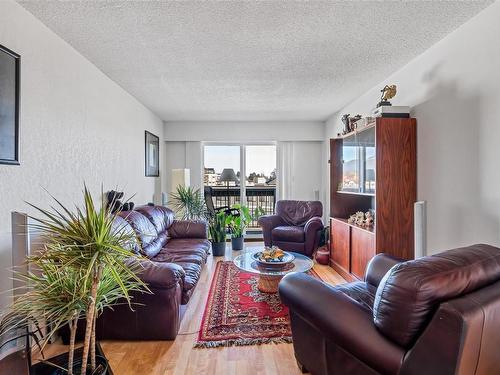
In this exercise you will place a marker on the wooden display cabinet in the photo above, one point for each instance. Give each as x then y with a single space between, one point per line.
373 168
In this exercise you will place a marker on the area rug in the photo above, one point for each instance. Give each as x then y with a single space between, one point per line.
237 313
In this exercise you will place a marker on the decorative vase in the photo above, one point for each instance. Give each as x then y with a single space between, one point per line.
323 255
218 249
237 243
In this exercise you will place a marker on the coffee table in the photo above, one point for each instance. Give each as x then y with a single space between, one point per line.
270 278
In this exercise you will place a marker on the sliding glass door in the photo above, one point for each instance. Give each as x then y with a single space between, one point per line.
243 173
221 174
260 179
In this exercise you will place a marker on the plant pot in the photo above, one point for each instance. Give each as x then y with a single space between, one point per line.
218 249
237 243
43 368
323 255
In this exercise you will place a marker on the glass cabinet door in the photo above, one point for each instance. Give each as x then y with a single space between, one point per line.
366 143
350 165
359 162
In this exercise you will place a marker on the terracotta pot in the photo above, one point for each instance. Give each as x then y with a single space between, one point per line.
323 255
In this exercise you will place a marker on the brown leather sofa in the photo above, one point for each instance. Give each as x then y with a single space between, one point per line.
437 315
296 226
177 251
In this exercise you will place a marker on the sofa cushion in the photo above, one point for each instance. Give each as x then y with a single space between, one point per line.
189 244
154 247
193 272
145 231
191 255
184 250
122 227
298 212
188 229
410 292
288 234
161 217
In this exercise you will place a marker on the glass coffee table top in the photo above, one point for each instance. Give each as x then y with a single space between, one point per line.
246 262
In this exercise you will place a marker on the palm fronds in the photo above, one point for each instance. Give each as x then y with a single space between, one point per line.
188 203
81 271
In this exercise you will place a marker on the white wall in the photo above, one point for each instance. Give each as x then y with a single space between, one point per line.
305 165
181 154
76 125
453 91
238 131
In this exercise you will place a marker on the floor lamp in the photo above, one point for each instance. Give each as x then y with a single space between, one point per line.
228 176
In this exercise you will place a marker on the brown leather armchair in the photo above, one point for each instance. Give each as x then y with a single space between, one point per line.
434 315
296 226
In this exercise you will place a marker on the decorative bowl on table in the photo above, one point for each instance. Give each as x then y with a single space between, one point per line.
273 258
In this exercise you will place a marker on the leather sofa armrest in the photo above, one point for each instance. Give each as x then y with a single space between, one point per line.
341 320
268 223
158 275
378 267
188 229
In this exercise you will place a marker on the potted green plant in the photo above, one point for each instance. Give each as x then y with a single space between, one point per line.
217 232
188 203
237 221
84 267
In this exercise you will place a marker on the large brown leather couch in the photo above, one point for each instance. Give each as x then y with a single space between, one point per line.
437 315
177 251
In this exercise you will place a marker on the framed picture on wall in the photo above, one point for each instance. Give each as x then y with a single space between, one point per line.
152 155
10 65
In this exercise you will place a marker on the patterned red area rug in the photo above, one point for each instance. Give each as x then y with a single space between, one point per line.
237 313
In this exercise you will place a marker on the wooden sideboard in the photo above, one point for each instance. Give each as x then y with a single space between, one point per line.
385 183
353 248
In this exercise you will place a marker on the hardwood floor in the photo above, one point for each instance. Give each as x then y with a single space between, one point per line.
179 357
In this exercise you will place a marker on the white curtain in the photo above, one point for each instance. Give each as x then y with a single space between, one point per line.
285 170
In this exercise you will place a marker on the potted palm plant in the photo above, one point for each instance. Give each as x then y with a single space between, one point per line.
83 268
237 221
188 203
217 232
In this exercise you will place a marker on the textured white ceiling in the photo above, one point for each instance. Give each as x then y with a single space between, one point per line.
250 60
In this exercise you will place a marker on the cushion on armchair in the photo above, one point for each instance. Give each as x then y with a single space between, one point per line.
288 234
298 212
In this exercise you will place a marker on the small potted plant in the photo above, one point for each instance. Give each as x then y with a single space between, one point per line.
237 221
217 231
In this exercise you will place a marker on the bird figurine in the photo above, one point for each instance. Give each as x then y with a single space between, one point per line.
388 92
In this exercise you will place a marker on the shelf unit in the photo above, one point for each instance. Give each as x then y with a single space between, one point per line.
352 246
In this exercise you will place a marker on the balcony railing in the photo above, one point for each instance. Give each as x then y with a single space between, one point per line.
263 197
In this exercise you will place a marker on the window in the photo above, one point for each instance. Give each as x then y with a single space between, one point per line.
225 164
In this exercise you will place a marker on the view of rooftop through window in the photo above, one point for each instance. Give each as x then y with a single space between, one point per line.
260 164
223 171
